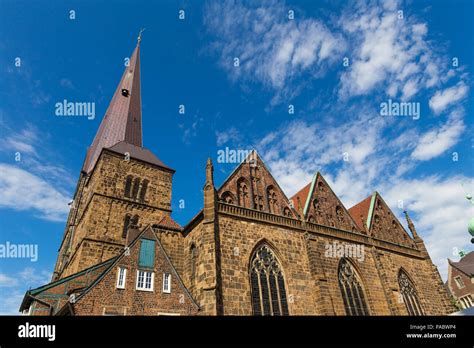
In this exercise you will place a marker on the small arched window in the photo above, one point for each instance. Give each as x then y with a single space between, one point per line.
143 190
351 289
128 186
136 187
126 223
409 294
193 259
267 284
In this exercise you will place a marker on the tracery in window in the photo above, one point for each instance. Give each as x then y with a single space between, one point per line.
409 294
267 284
351 290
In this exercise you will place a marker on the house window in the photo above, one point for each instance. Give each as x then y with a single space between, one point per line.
167 283
145 280
352 290
466 301
459 282
147 253
121 276
267 284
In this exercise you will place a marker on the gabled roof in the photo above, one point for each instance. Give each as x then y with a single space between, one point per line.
123 119
34 292
465 265
167 222
308 192
359 210
139 153
302 195
147 231
254 156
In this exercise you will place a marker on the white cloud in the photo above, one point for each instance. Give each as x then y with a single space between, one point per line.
436 141
442 213
390 54
20 142
13 287
272 49
442 99
230 135
10 301
22 190
439 209
32 276
6 281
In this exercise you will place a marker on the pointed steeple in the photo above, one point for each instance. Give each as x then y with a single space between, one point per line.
123 118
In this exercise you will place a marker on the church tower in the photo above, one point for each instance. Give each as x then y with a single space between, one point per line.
121 183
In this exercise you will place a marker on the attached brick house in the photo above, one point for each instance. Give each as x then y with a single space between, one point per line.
461 280
251 250
140 281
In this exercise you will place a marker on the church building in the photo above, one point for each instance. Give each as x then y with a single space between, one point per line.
251 250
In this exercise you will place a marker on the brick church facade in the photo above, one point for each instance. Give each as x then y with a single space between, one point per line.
249 251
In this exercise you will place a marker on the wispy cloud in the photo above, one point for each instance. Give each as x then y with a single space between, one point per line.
436 141
13 286
272 49
32 182
444 98
390 52
22 190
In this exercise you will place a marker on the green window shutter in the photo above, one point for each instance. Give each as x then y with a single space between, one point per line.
147 253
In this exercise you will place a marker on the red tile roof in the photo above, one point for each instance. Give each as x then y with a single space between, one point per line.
465 265
167 222
361 208
302 195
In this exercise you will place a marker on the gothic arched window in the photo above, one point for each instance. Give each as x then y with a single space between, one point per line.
143 190
128 186
351 289
408 292
267 284
243 193
136 187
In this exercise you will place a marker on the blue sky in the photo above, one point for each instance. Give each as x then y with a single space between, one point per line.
336 126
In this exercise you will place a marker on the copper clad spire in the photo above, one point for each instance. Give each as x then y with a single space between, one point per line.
123 118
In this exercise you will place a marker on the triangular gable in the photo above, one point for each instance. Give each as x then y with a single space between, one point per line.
146 233
251 185
322 206
383 224
64 285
